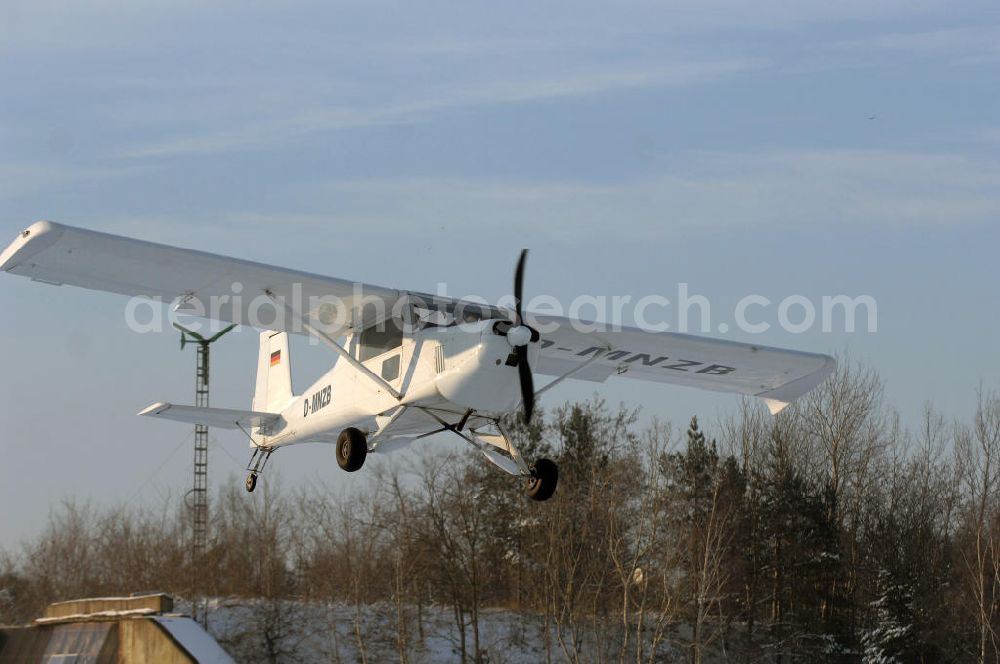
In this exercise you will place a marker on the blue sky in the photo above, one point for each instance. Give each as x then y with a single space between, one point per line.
630 145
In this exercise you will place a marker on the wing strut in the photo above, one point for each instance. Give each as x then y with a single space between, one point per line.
343 352
513 465
593 358
373 440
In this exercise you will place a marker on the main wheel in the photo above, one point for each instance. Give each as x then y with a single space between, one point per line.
544 478
251 482
352 448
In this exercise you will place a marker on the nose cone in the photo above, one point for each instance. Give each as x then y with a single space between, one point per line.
518 336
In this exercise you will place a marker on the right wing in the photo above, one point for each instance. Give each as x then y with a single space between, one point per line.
198 282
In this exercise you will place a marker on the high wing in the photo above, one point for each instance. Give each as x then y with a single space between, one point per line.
202 283
198 282
776 375
222 418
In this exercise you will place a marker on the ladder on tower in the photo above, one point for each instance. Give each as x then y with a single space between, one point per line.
198 495
199 492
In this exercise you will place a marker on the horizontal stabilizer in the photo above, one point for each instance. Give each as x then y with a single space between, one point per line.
223 418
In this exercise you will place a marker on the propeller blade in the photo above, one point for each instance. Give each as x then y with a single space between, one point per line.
527 382
519 283
523 368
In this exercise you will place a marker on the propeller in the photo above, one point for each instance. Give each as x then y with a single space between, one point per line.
518 337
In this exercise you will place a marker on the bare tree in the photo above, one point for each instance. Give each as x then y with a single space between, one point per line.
978 452
643 552
845 420
748 435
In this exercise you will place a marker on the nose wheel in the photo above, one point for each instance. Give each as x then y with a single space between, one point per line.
543 481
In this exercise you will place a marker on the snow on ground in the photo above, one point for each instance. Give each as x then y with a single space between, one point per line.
307 633
262 631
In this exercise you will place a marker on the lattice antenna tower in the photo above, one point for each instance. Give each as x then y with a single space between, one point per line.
197 497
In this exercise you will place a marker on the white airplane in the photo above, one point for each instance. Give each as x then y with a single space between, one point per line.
412 364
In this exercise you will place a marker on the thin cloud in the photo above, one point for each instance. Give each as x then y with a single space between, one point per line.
22 179
701 193
705 192
974 44
456 96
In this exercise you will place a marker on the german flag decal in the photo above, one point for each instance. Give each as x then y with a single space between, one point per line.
276 357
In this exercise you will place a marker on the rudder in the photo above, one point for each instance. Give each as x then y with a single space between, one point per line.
274 373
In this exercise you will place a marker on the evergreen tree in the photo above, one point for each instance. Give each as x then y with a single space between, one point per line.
798 547
704 494
891 638
691 473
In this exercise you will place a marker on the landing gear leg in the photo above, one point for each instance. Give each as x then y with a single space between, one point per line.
256 466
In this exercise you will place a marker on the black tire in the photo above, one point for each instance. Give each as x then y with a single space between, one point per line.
352 448
544 478
251 482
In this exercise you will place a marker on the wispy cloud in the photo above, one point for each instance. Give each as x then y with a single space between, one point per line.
702 193
972 44
23 179
448 98
88 26
67 26
706 192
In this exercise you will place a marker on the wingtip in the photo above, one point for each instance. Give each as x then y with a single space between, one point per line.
155 409
30 241
775 406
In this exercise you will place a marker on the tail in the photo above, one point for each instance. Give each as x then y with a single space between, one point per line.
274 373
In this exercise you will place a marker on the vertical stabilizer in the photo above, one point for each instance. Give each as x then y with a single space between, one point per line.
274 373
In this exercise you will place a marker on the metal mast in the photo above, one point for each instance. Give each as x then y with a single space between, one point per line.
198 495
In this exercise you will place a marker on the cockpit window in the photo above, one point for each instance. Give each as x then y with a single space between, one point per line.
440 311
443 318
378 339
451 314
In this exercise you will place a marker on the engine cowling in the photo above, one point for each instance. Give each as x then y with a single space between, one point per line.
481 368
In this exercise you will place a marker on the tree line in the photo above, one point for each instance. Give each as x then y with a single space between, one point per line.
830 532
